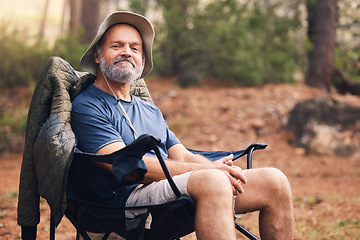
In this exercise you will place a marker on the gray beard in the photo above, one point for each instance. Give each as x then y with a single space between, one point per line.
119 74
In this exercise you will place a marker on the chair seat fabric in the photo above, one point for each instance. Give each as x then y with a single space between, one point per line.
168 221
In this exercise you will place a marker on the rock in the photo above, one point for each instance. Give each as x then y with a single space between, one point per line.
326 126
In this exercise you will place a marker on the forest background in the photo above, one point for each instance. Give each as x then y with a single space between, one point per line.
262 45
237 42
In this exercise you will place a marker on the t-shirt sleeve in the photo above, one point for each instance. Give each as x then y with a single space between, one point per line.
91 126
171 139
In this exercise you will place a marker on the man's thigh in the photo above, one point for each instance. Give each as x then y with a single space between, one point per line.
157 192
259 189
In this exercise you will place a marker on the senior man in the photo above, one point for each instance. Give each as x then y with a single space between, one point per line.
106 118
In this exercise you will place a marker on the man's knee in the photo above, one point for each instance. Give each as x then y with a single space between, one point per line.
277 182
204 183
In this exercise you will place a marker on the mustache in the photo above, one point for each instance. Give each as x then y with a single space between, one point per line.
122 58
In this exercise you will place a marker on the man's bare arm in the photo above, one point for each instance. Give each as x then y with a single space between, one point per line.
181 161
179 153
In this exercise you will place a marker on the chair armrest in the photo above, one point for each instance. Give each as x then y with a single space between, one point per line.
215 155
249 151
256 146
129 159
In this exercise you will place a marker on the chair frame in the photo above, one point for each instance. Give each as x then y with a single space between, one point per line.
153 146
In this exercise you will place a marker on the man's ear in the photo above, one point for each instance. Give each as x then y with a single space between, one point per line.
96 55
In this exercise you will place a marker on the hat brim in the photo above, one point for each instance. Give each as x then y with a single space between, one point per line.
143 26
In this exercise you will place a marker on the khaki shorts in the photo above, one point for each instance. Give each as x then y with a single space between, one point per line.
157 192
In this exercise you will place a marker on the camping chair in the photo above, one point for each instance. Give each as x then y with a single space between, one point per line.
48 129
170 220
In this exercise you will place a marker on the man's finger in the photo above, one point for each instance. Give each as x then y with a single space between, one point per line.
227 158
237 173
237 185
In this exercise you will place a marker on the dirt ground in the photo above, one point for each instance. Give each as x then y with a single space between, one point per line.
326 190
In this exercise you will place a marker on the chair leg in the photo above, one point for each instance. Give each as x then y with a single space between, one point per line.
83 234
106 236
248 234
52 227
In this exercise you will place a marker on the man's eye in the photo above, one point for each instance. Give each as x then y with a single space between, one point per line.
115 46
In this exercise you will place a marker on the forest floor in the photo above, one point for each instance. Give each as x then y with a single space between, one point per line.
326 193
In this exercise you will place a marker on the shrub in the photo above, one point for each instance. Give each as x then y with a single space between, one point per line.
248 45
348 61
241 43
12 128
21 62
70 48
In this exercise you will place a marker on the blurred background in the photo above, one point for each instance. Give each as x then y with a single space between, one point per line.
236 42
284 72
245 42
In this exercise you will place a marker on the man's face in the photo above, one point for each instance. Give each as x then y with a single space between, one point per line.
121 54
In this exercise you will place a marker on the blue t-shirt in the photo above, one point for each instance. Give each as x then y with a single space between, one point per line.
97 121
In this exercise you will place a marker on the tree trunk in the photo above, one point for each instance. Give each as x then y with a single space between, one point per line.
43 21
90 18
62 26
310 7
75 15
321 59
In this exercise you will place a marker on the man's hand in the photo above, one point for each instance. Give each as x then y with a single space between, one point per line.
234 173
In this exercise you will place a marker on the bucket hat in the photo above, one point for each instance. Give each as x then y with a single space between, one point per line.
143 26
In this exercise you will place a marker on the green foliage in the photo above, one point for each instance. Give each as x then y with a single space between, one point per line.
139 6
70 48
176 43
345 60
244 44
12 128
20 62
14 120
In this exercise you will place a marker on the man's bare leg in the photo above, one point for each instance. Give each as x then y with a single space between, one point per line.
268 190
212 192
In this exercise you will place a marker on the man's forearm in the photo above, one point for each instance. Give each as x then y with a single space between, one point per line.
155 172
179 153
196 158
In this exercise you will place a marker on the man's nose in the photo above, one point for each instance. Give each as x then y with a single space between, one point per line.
126 51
